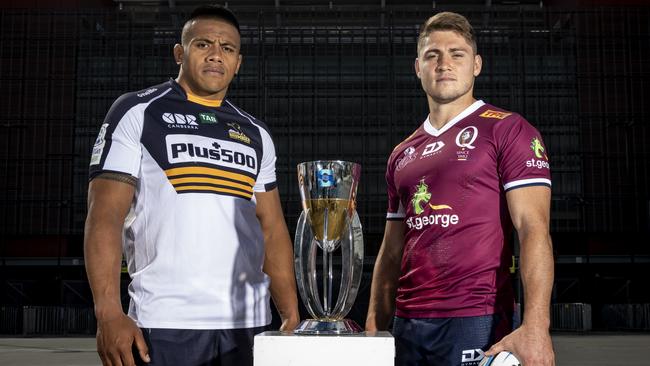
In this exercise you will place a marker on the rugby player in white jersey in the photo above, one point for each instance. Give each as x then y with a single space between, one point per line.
183 183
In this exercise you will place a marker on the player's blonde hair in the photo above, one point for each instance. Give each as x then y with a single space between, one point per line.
447 21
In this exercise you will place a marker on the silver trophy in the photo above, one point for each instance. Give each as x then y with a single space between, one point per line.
329 221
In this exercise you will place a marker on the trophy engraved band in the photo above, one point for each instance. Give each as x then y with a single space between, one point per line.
329 221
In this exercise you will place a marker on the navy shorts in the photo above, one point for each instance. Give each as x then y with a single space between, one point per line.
447 341
194 347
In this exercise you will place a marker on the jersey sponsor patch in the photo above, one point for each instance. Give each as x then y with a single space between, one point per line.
199 149
208 118
98 148
540 160
179 120
420 203
494 114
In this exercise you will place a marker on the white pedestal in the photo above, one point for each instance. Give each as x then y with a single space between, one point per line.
280 349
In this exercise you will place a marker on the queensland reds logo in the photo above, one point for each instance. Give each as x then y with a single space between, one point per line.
466 137
409 155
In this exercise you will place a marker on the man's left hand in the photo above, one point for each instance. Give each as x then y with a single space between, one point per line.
289 324
531 345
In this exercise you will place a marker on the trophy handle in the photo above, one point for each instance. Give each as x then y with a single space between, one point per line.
305 250
352 267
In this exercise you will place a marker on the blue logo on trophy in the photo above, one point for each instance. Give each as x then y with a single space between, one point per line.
325 178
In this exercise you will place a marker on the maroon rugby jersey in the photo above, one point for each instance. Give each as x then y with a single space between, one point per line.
448 186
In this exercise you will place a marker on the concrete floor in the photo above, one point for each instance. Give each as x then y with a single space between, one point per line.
591 349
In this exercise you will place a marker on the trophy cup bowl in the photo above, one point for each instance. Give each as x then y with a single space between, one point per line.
328 222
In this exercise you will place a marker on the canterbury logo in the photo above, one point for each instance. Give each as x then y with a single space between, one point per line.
180 120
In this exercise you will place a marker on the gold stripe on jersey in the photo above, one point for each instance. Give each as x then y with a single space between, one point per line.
221 182
215 173
210 180
214 189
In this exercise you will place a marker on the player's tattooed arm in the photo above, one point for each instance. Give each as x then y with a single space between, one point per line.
120 177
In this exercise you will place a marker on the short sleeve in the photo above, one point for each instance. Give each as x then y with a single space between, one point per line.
266 179
395 208
522 158
117 147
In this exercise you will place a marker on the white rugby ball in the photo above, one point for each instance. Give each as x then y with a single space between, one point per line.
501 359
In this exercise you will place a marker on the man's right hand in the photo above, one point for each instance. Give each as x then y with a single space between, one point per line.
115 339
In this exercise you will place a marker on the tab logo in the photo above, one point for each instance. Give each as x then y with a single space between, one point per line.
208 118
177 120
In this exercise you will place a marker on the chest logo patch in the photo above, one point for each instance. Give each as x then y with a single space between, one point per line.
466 137
420 203
178 120
409 155
208 118
235 132
432 149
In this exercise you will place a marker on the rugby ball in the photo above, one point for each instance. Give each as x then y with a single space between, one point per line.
501 359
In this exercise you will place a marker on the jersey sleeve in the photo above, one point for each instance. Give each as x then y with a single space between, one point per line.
522 158
395 208
117 147
266 179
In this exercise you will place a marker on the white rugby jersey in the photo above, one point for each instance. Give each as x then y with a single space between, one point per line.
192 241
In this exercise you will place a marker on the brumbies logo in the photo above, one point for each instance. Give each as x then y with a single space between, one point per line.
235 132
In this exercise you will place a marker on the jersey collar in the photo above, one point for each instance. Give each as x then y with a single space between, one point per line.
428 127
195 98
203 101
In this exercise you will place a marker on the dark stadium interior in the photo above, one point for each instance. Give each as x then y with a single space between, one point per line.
333 80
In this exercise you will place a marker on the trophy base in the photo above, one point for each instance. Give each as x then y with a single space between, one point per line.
328 327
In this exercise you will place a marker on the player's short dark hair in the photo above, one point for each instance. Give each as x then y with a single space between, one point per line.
215 12
448 21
